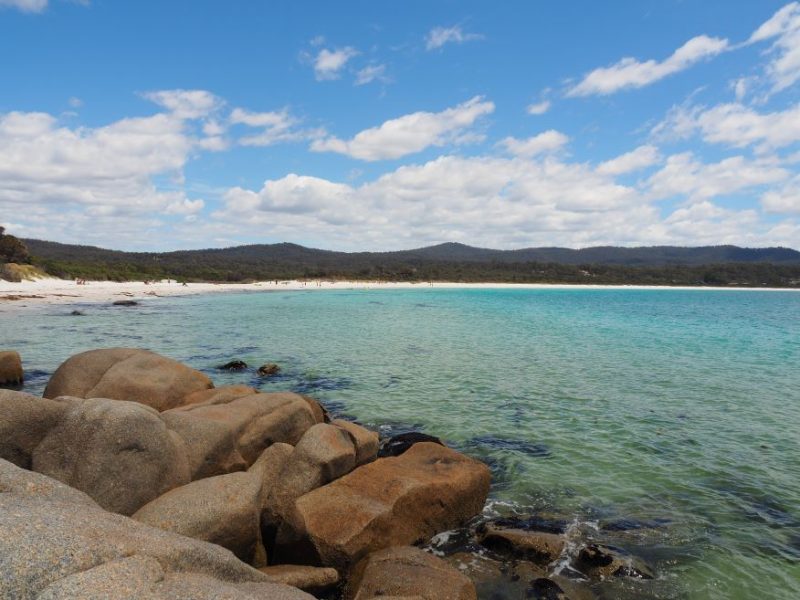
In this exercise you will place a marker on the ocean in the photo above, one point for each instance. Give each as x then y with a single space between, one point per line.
664 422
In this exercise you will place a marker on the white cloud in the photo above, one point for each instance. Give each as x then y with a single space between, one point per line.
410 133
635 160
33 6
276 126
490 201
439 36
99 179
783 200
538 108
631 73
75 102
784 69
502 202
683 175
734 125
328 64
545 142
186 104
371 73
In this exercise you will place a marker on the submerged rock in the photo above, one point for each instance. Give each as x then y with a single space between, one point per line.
389 502
125 303
497 443
407 572
11 368
398 444
126 374
535 546
234 365
268 369
544 588
599 561
120 453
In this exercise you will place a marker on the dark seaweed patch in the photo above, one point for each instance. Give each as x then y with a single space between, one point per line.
316 384
533 523
396 428
630 524
495 443
392 381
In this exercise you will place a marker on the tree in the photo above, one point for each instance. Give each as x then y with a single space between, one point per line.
12 249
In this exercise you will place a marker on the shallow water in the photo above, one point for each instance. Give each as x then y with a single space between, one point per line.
664 422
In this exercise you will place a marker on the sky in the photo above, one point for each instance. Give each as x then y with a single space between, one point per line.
154 125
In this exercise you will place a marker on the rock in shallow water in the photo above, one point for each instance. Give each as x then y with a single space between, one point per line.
11 368
234 365
388 502
536 546
408 573
599 561
268 369
126 374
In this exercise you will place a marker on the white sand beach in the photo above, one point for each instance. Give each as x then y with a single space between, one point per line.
47 291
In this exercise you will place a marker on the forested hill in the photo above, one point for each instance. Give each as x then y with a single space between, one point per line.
719 265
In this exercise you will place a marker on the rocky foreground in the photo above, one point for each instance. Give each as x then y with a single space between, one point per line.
134 477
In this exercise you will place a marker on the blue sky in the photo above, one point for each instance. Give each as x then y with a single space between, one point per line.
378 125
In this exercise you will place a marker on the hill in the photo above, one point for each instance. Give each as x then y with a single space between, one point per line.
668 265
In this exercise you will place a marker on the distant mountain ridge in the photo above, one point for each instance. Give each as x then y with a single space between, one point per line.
446 252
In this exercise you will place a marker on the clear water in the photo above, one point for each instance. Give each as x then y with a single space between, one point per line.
664 422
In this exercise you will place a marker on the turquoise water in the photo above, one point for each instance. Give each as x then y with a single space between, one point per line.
664 422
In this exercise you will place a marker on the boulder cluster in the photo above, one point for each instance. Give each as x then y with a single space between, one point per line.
134 477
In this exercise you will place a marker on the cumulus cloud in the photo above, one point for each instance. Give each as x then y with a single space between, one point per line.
635 160
783 200
685 176
538 108
186 104
328 64
631 73
275 126
492 201
516 202
371 73
548 141
734 125
410 133
439 36
104 173
784 28
512 202
33 6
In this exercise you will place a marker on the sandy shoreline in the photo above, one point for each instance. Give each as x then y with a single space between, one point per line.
58 291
